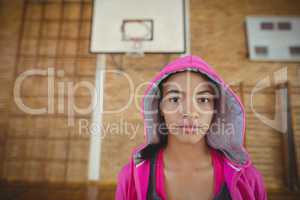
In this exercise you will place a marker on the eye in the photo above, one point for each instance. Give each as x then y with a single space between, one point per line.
204 100
173 99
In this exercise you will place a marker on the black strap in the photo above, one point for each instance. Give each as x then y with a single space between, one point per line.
151 194
224 194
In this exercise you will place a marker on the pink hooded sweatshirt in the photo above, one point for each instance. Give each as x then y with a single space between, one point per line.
231 162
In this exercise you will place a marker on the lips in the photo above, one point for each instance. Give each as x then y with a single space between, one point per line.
189 128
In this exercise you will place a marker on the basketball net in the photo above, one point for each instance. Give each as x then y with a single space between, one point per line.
136 48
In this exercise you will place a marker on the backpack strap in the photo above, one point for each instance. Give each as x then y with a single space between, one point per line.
224 194
151 194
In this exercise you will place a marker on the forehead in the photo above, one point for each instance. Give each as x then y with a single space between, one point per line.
186 80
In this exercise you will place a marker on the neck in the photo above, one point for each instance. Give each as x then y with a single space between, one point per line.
180 155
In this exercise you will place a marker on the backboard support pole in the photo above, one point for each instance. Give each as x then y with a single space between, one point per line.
95 133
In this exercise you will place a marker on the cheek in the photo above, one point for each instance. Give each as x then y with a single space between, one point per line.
171 117
207 118
204 108
172 121
170 109
206 113
169 112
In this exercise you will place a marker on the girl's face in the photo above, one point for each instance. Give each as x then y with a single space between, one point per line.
187 106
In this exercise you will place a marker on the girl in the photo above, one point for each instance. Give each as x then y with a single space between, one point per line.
195 129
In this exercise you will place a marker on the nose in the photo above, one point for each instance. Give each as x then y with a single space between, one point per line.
189 110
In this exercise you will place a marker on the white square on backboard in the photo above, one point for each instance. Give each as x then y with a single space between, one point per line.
165 17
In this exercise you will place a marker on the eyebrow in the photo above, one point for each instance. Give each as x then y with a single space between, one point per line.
173 91
204 91
178 92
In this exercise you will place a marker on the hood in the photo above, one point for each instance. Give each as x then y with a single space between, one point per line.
230 112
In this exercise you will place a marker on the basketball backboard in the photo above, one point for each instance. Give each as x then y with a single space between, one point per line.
273 38
156 26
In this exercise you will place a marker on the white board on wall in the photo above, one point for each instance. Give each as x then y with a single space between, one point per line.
163 24
273 38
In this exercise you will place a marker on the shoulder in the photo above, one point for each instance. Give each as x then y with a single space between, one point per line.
249 171
255 181
253 174
125 179
249 179
124 173
125 187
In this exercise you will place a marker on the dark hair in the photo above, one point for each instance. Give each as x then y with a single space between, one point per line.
162 131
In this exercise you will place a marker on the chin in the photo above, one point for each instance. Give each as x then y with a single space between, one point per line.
190 139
